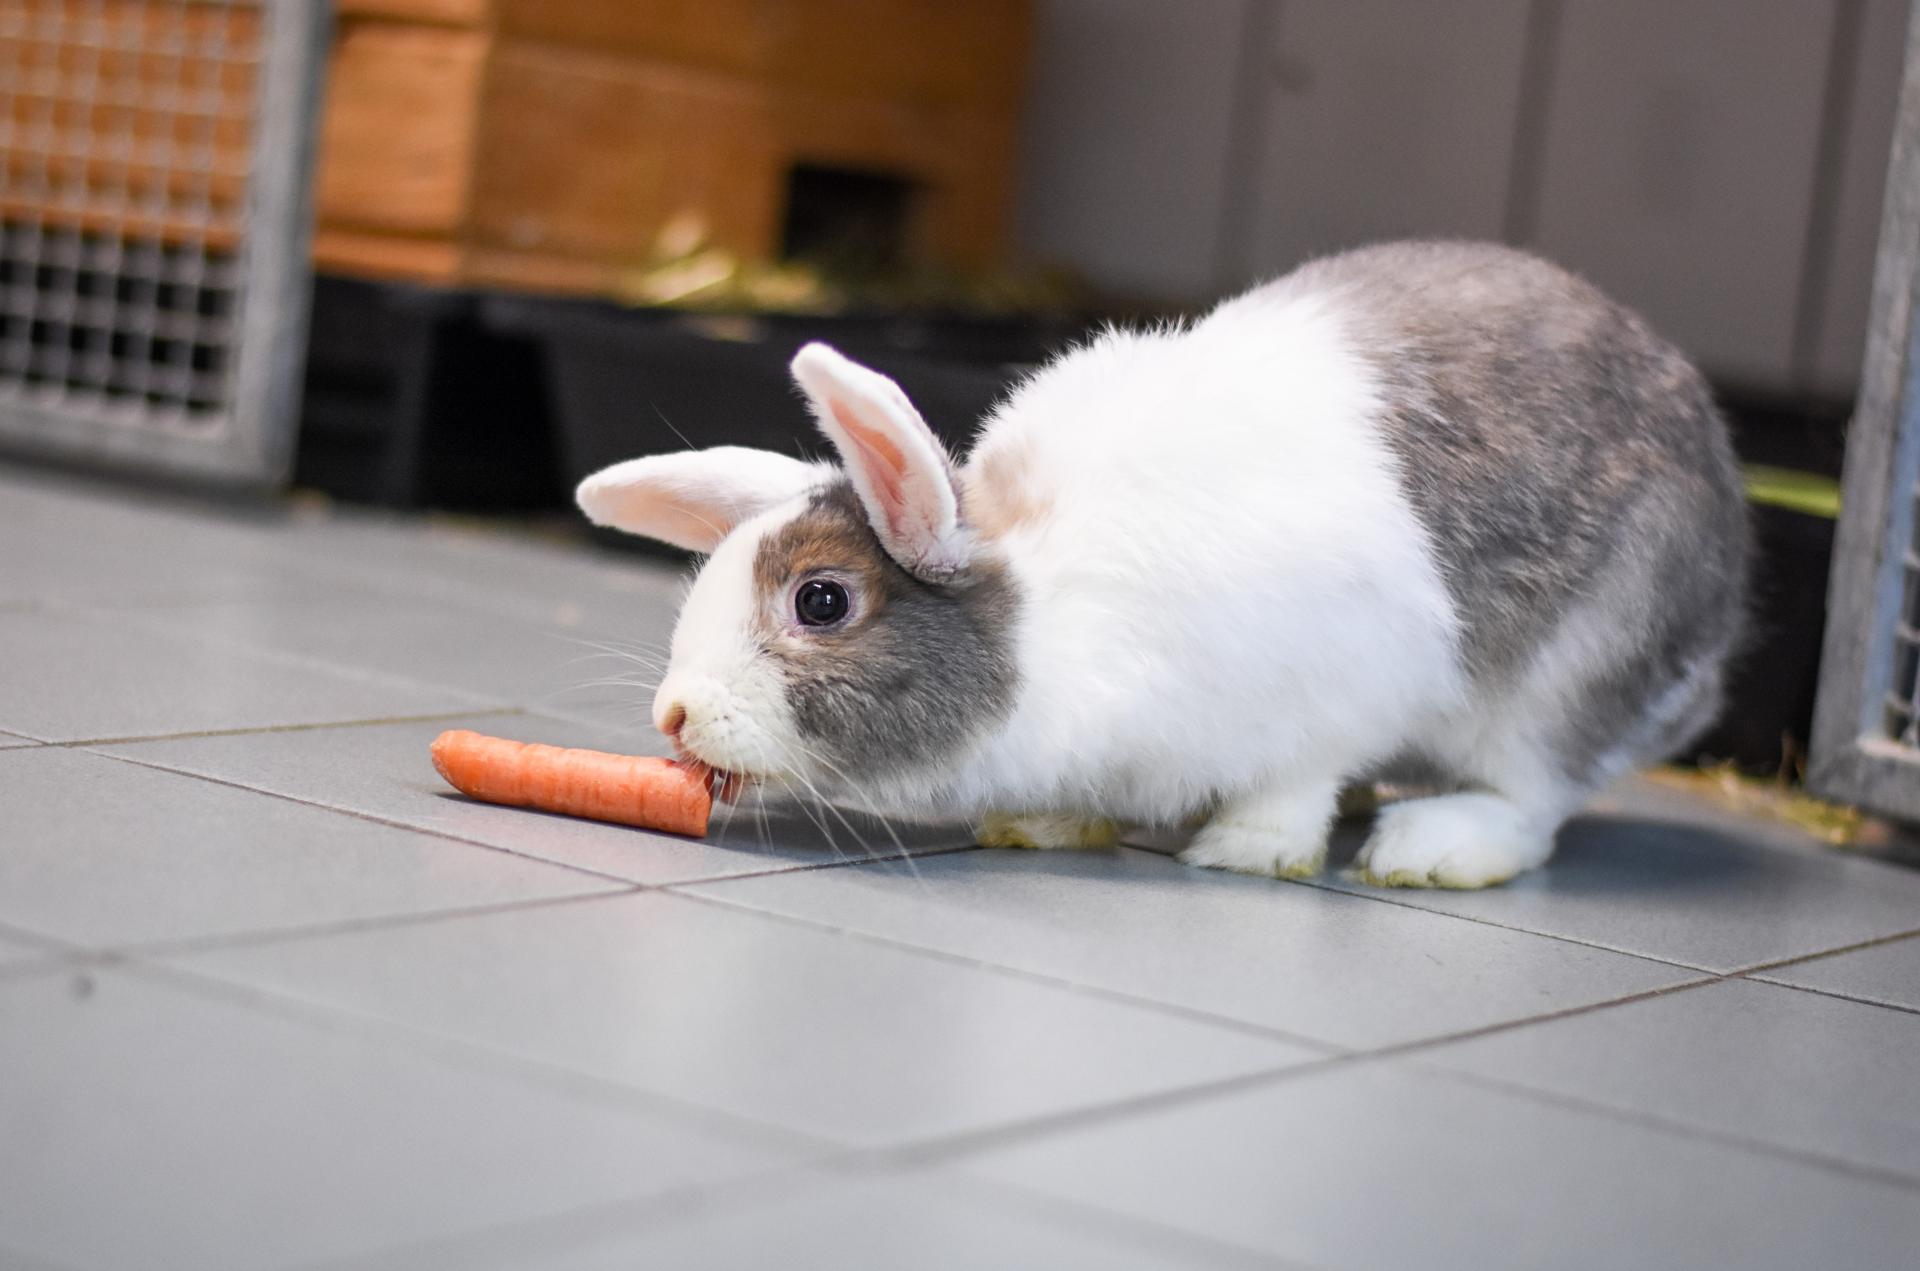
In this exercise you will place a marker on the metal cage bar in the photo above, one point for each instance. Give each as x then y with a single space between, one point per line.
1866 736
155 159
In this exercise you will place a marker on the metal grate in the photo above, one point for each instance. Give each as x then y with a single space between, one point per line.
1866 733
153 159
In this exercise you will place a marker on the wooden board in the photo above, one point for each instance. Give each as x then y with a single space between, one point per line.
545 144
373 254
726 35
590 156
397 136
959 158
931 50
452 12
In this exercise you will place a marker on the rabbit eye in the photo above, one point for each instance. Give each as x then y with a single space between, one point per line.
820 602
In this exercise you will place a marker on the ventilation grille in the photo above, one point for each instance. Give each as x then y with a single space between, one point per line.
133 214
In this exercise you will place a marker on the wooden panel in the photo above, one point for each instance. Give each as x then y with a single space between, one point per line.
398 133
968 217
589 156
920 49
733 35
372 254
540 272
1679 166
453 12
1384 120
960 158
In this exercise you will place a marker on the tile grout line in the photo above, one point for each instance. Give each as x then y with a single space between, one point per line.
1799 958
187 946
1329 888
380 1030
988 1138
1836 994
965 1142
961 1143
1655 1121
264 936
180 630
808 867
158 619
267 730
639 1215
448 836
1190 1014
81 958
368 817
1747 970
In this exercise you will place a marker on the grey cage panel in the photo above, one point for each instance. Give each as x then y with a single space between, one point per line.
1866 739
154 168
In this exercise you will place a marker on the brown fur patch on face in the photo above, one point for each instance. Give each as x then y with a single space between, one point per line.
915 670
822 539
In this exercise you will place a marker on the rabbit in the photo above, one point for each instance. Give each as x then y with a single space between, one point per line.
1429 512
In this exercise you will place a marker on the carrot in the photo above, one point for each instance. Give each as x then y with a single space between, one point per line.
655 794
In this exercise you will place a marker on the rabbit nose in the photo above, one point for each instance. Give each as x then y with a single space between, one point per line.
672 720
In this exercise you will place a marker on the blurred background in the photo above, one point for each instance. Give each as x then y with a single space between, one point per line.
454 254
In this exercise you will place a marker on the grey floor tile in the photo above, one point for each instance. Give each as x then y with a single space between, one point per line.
106 853
67 677
822 1221
12 741
486 656
629 595
77 540
1888 973
1373 1165
68 541
19 949
1753 1061
1665 877
1310 962
153 1126
383 770
769 1020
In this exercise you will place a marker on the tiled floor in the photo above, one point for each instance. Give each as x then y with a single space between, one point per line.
270 997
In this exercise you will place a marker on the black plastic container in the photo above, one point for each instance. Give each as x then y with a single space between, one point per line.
625 382
1769 714
411 401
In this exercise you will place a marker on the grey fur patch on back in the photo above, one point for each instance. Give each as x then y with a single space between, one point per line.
1557 452
917 671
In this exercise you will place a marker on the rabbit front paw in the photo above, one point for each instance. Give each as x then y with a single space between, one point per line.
1462 841
1279 831
1255 849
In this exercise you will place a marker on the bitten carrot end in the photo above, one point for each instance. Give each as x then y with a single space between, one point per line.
637 790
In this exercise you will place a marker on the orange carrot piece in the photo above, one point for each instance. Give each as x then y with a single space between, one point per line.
654 794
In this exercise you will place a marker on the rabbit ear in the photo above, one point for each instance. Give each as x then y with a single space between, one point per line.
693 499
897 465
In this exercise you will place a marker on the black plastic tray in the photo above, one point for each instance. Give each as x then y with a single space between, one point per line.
625 382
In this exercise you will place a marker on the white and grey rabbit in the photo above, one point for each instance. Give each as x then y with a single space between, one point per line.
1434 512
